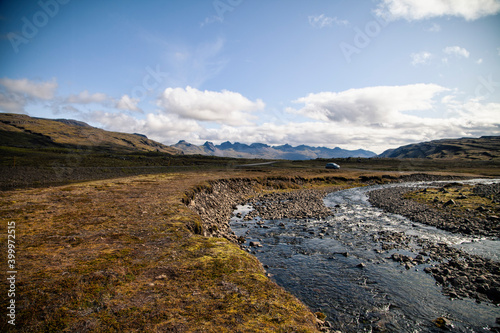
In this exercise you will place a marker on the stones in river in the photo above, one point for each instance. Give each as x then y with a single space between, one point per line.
443 323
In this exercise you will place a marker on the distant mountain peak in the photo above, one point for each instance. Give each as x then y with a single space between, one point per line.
209 145
264 151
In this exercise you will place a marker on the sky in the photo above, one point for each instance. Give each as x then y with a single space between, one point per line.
369 74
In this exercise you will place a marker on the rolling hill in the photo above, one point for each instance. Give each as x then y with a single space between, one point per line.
23 131
483 148
264 151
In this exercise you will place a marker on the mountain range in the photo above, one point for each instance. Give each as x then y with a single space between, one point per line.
22 131
264 151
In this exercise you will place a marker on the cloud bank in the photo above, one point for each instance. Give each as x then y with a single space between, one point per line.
369 105
413 10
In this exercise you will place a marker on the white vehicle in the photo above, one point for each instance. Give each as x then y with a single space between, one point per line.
332 166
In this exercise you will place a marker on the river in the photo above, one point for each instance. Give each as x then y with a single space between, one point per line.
337 266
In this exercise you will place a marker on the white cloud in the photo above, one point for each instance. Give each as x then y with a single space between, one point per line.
160 127
457 51
420 58
223 107
369 105
12 103
412 10
322 21
16 94
30 89
127 103
479 61
86 98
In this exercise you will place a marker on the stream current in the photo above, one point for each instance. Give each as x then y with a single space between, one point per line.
336 266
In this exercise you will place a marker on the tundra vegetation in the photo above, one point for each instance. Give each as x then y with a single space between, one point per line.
106 240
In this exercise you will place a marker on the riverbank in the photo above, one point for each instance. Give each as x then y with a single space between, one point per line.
305 255
459 273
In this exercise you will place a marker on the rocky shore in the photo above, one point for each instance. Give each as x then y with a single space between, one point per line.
216 203
442 217
302 204
459 273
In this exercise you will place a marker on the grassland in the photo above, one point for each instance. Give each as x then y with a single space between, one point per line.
112 251
117 255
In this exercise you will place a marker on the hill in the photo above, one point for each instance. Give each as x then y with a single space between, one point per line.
483 148
22 131
264 151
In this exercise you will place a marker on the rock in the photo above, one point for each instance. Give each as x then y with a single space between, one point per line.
255 244
396 257
443 323
440 279
361 265
450 202
494 295
320 315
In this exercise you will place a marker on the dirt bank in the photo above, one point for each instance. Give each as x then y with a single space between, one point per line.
216 201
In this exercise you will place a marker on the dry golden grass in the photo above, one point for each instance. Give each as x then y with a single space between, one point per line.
117 255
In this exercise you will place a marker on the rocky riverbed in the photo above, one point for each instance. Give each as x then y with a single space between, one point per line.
479 222
459 273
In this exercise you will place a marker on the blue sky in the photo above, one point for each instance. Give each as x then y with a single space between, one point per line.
372 74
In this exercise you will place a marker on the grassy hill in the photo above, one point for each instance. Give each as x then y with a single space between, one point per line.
484 148
22 131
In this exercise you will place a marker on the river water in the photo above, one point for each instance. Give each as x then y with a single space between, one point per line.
336 266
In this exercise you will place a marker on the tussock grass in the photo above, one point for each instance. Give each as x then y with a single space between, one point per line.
119 255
